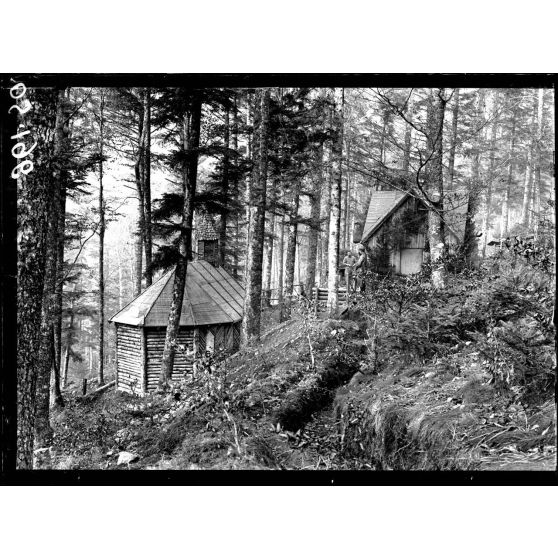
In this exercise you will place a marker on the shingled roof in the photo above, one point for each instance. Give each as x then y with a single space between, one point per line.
382 204
211 296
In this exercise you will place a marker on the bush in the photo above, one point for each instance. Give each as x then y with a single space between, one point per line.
520 357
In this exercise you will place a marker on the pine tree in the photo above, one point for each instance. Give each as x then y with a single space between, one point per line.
189 110
34 194
335 204
258 188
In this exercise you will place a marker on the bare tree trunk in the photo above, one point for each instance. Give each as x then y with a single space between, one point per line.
528 182
46 357
236 189
139 240
470 238
325 219
223 224
291 253
436 232
315 204
504 224
69 338
101 301
254 260
335 221
120 276
268 263
252 146
489 186
408 136
537 184
32 243
56 395
345 213
527 186
146 179
190 140
455 116
280 298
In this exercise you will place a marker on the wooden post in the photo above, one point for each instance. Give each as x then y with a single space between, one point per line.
143 359
84 387
116 355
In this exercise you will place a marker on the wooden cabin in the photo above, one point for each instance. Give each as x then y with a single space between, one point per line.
210 320
396 228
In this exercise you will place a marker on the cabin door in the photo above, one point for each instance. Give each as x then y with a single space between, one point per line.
411 260
210 342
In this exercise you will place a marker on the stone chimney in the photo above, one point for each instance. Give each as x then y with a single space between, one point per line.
206 245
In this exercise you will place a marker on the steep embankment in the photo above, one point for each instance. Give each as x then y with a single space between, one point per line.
307 397
247 412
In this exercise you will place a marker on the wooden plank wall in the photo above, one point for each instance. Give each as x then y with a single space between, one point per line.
227 336
200 339
155 342
236 335
129 358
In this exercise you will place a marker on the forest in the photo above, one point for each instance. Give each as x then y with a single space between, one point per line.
285 278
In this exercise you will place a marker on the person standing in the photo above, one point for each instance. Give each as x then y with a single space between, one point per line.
349 261
360 268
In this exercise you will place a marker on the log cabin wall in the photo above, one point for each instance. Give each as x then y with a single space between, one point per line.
130 358
155 342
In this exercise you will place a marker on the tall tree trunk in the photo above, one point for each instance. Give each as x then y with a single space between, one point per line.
56 390
436 232
527 186
190 142
489 185
408 135
32 226
254 259
45 357
146 179
346 212
280 261
235 258
504 224
69 339
529 164
538 159
335 220
120 276
315 205
470 238
101 285
268 263
140 231
451 162
290 258
225 193
386 116
325 219
252 147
